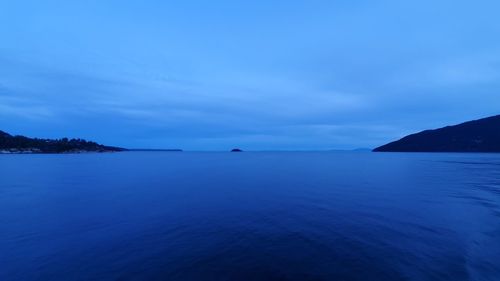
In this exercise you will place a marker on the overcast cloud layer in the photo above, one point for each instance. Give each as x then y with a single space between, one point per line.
260 75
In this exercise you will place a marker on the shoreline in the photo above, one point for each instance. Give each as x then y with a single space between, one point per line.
17 151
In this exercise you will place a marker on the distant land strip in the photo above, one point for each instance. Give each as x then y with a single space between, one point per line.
20 144
481 135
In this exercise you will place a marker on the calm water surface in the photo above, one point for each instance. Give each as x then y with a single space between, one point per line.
250 216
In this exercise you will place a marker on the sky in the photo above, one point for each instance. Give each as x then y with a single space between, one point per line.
259 75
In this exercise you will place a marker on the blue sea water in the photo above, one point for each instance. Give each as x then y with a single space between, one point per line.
250 216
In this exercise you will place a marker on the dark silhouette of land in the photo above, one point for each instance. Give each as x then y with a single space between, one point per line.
481 135
22 144
236 150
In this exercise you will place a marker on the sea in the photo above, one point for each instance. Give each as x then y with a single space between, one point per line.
250 216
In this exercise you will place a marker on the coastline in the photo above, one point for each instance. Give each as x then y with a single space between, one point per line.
38 151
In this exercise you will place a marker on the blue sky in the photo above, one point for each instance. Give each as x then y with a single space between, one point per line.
260 75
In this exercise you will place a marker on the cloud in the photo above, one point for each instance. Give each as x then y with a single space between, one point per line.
11 107
470 70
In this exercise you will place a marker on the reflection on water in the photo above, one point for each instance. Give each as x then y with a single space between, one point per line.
250 216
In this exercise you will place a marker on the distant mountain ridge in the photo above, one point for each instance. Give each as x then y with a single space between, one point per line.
22 144
481 135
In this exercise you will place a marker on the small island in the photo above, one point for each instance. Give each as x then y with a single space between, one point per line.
20 144
481 135
236 150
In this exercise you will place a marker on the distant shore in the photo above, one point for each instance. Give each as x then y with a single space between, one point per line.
38 151
10 144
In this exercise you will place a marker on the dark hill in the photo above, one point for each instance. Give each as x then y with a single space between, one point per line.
21 144
481 135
